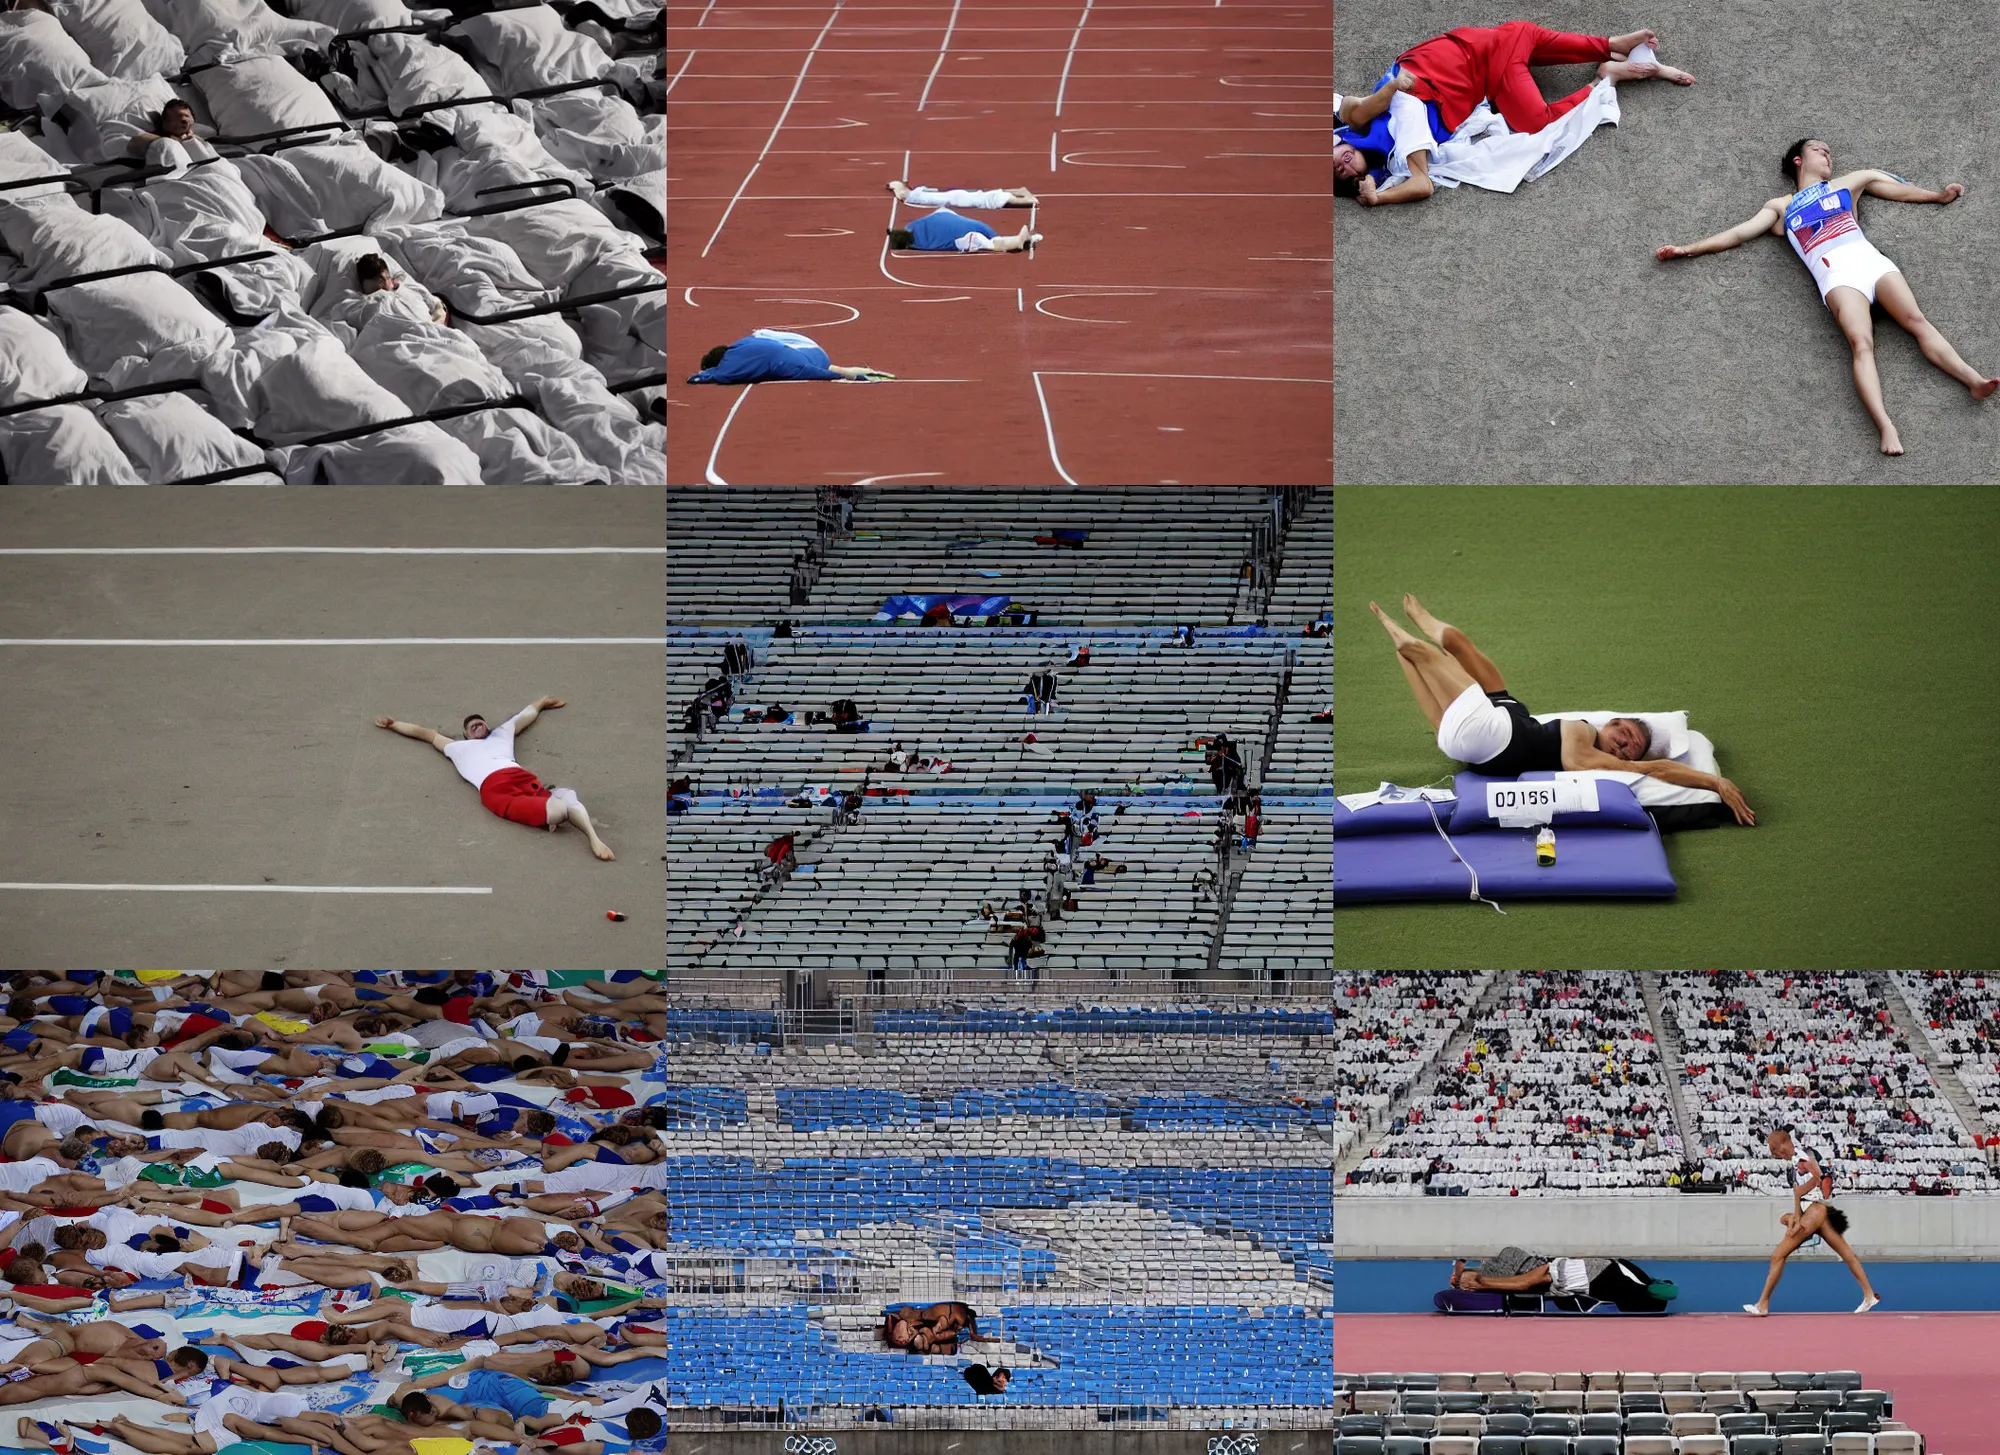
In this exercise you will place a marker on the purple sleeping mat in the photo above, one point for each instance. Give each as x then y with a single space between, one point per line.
1590 864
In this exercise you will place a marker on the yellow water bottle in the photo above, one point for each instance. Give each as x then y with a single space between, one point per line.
1545 847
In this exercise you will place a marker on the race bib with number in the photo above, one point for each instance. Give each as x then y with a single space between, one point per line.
1533 803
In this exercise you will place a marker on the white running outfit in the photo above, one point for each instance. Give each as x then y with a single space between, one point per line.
957 197
1827 237
1474 728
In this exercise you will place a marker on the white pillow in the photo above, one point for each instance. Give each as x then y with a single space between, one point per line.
140 315
318 389
21 158
122 39
101 117
252 28
58 239
346 15
332 262
1651 792
33 362
1669 729
252 97
532 47
62 446
170 437
38 58
356 188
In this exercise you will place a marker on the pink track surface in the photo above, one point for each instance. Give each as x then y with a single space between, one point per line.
1181 154
1939 1366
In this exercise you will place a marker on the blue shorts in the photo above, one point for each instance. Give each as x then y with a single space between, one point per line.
490 1389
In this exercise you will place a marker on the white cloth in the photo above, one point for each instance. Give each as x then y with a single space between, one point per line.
478 758
1568 1275
1410 132
974 242
1668 730
1486 153
957 197
252 1404
1474 728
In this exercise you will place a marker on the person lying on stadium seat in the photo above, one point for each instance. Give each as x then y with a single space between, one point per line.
985 1381
773 354
945 231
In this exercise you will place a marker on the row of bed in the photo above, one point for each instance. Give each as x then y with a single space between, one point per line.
190 311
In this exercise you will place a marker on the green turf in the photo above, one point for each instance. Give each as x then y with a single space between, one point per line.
1837 644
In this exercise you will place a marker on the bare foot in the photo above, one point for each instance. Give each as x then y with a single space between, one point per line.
1892 443
602 850
1429 625
902 192
1675 74
1616 71
1396 633
1985 388
1623 43
1457 1271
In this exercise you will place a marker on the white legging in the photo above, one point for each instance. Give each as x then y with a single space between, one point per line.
957 197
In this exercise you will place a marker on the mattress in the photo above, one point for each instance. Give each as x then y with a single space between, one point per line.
1590 864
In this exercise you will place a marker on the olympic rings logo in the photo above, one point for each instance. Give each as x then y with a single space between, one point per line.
1232 1445
810 1445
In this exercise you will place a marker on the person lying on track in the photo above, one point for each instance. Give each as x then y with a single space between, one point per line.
1447 77
992 200
484 758
1812 1216
1479 723
945 231
773 354
1819 218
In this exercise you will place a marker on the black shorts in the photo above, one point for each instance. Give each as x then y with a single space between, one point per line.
1525 751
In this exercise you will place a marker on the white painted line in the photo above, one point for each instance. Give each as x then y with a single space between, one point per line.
689 296
1234 378
1069 60
779 126
1291 260
1052 151
333 551
1071 158
918 475
250 888
713 478
333 641
1049 426
955 298
681 72
852 314
704 15
942 46
1019 305
825 232
1041 306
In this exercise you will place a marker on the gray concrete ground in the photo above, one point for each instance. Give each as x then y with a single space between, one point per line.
1533 338
260 764
848 1441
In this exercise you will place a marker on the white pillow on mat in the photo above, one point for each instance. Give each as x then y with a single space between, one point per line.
101 117
268 93
1651 792
121 37
1669 729
33 362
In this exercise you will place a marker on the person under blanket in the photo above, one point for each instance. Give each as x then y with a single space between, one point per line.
771 353
484 758
1481 724
945 231
176 123
1819 218
372 274
990 201
1440 83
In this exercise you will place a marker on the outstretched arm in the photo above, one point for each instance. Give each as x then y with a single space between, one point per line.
1578 755
1770 217
525 718
1413 188
1881 184
411 730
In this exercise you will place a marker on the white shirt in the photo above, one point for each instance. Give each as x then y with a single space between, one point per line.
477 758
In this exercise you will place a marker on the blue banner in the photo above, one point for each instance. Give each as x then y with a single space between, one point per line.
917 606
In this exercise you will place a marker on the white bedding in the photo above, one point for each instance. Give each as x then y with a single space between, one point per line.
265 94
531 47
141 315
317 389
356 188
57 239
169 437
607 428
100 117
414 454
556 241
33 362
251 28
62 446
346 15
519 448
472 274
494 148
121 37
422 363
408 71
601 135
38 57
19 158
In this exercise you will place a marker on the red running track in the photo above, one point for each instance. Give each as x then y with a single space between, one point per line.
1939 1366
1174 328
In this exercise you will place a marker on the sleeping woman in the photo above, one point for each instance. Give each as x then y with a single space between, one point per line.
1479 723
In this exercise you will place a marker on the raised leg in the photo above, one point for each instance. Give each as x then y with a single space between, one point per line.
1441 674
1894 294
1458 644
1850 311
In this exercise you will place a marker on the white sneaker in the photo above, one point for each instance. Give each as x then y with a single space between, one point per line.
1751 1308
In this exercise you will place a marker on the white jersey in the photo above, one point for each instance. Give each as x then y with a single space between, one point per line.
1802 1173
478 758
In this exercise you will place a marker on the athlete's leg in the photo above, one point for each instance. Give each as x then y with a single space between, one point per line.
1798 1233
1458 644
1518 45
571 810
1439 671
1850 311
1839 1245
1893 293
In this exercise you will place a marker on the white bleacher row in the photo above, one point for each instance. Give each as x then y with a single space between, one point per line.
713 858
1153 556
1392 1030
1098 1142
1116 1065
1115 1246
1304 587
730 551
1821 1052
1302 756
1282 917
1961 1019
1561 1088
1130 717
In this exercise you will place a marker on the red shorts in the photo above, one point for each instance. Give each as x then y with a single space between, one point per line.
517 796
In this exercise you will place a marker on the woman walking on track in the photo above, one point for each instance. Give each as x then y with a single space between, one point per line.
1811 1216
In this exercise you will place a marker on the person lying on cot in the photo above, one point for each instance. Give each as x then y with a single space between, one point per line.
1450 75
176 123
945 231
1819 218
771 353
990 201
372 274
1512 1270
1479 723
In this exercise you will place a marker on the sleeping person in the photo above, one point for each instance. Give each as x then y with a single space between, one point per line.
771 353
372 274
1479 723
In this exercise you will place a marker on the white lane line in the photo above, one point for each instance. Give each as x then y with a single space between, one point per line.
803 68
689 295
333 641
1070 59
942 46
1019 306
713 478
333 551
1242 378
711 5
250 888
681 72
955 298
1052 151
1049 426
852 312
1071 158
917 475
1291 260
1042 306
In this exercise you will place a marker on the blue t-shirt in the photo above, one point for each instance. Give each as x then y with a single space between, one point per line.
752 360
940 232
1377 136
